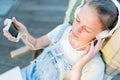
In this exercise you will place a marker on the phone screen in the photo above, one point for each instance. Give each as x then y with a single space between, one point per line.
13 30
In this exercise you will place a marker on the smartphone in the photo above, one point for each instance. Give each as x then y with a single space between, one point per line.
11 29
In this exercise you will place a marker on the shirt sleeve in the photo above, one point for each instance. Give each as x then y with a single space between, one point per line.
52 34
94 71
58 32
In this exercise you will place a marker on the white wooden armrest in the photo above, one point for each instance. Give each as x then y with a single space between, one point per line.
20 51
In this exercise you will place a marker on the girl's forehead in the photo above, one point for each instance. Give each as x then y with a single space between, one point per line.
89 17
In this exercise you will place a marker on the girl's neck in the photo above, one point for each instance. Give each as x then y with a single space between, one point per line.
76 44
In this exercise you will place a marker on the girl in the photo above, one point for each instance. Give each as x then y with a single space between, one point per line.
71 48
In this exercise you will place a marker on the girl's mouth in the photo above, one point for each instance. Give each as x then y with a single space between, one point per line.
74 35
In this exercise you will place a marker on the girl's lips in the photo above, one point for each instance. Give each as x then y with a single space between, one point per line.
74 35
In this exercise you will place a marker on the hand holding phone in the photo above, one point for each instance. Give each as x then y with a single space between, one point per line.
12 30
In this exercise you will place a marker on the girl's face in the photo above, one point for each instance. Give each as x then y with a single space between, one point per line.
85 27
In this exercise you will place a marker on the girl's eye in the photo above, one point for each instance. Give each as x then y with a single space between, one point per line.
78 20
88 31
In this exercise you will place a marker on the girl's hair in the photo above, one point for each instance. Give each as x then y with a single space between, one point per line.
107 12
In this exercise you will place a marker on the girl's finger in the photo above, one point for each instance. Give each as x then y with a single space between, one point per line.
16 23
13 39
6 34
90 53
87 49
99 45
5 22
9 37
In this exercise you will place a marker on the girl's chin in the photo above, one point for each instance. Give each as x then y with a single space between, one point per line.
79 45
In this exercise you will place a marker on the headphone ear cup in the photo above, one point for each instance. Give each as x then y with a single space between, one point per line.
103 34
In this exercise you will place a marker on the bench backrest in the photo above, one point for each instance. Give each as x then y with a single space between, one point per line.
111 53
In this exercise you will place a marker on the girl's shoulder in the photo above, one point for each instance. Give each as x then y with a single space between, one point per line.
57 33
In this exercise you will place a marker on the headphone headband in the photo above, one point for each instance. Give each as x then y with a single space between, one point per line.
118 21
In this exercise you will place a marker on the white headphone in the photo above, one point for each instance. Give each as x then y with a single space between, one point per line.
118 22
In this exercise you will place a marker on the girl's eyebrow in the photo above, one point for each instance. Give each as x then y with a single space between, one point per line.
90 28
78 17
85 25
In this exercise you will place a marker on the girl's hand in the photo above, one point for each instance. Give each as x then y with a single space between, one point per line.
91 51
21 28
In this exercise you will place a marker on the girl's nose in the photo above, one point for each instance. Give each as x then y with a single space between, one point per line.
80 28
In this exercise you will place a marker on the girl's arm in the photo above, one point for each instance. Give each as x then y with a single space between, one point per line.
28 40
91 51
